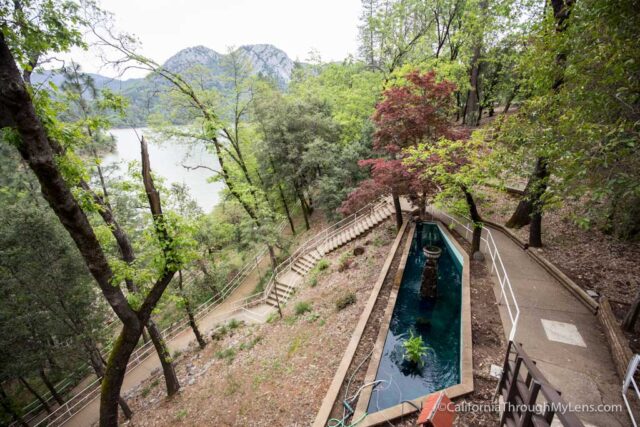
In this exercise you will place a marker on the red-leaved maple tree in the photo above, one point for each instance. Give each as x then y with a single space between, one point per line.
417 111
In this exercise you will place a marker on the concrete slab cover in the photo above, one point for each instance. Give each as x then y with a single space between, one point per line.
566 333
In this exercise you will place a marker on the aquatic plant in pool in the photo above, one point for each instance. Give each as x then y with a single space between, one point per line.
434 321
415 349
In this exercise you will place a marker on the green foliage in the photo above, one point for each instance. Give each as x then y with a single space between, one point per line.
345 300
315 272
228 354
181 415
302 307
415 349
322 265
234 324
251 343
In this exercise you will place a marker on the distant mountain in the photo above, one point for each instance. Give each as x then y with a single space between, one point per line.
266 60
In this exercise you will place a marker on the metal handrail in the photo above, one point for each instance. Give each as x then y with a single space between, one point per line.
629 380
321 238
497 265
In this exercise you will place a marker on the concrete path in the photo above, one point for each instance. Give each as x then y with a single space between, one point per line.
561 335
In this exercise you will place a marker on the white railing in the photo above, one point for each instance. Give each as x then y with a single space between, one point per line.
139 355
319 239
629 380
497 266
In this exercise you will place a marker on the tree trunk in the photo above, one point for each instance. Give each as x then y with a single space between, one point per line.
127 254
114 374
97 363
629 322
51 387
510 99
35 393
39 152
532 203
477 223
8 406
309 203
540 186
192 320
170 377
522 215
286 208
398 209
145 336
272 256
303 204
423 206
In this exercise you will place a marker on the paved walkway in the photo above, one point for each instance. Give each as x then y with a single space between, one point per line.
561 335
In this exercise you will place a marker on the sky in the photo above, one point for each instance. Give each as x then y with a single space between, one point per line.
163 27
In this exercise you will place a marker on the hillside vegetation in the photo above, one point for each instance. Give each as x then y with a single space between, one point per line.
446 103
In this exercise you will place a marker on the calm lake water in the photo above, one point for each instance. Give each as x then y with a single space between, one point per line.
167 159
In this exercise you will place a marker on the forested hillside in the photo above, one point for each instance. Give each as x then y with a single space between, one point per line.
447 102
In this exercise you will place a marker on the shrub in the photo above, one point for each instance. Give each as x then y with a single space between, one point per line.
234 324
415 349
302 307
220 332
345 301
322 265
313 280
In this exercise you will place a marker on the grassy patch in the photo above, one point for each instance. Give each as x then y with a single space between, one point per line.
312 317
345 301
314 274
378 241
234 324
322 265
251 343
302 307
228 354
290 320
181 414
232 386
295 345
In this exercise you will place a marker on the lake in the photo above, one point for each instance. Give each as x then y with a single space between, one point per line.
167 159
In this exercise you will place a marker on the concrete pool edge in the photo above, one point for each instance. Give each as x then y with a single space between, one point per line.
324 412
466 354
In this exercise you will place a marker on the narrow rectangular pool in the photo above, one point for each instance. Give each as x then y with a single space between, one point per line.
437 321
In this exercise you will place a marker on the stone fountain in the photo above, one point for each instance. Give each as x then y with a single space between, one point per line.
429 286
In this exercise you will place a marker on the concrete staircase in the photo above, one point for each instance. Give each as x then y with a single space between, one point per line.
307 256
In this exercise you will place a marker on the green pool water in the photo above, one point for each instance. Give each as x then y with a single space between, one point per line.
436 321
